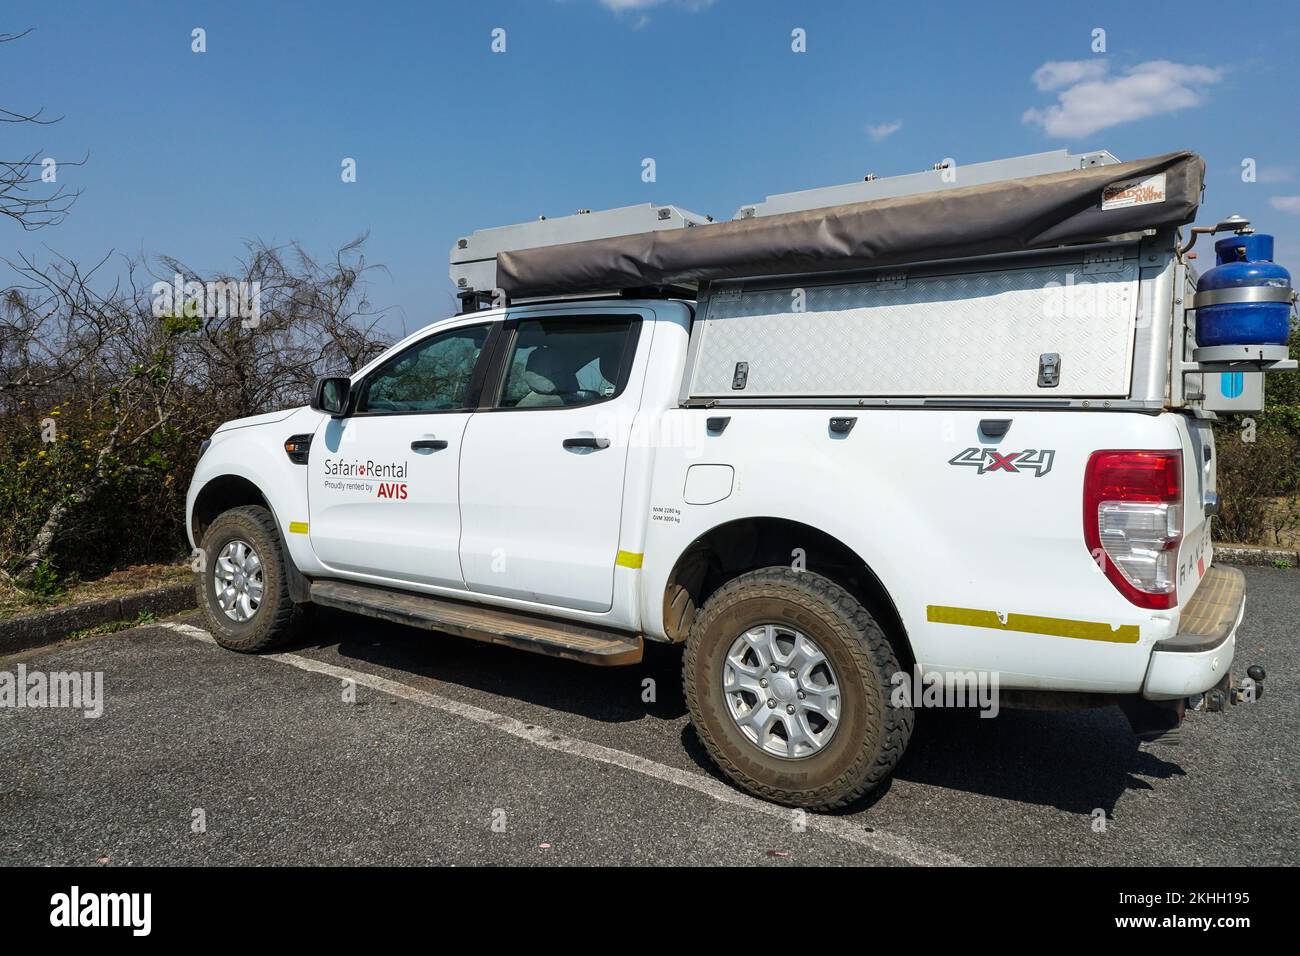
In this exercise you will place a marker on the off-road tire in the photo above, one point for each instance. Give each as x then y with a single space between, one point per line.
871 735
272 624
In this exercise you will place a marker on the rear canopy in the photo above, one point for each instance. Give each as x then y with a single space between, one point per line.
1086 205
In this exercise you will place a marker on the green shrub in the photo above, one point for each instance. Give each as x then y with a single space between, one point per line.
45 580
1259 465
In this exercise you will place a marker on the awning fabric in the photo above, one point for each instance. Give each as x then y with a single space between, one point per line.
1084 205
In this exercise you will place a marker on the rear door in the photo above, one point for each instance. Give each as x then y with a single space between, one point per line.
543 464
384 481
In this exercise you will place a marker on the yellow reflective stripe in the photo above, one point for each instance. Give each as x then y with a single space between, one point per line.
629 559
297 527
1033 624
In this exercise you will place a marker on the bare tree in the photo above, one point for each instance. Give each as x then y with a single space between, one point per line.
133 361
29 171
312 319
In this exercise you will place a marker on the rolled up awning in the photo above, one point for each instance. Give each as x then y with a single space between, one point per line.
1085 205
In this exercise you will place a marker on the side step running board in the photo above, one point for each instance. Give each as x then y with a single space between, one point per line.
528 632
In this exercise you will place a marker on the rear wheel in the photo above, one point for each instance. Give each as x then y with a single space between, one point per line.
787 678
243 589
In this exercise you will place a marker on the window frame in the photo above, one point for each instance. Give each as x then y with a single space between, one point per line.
495 381
482 365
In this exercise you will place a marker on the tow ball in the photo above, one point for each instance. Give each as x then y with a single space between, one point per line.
1220 697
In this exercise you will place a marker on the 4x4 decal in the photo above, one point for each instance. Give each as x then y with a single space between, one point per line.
1037 463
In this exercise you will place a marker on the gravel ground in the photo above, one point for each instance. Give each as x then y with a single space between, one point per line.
455 752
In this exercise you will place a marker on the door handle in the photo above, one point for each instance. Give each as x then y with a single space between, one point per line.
586 443
436 444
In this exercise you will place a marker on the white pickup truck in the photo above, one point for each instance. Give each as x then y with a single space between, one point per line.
820 484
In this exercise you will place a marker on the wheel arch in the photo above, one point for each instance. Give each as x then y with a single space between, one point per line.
226 491
747 544
219 495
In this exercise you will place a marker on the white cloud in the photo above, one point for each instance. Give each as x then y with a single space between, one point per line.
1055 74
1093 100
624 6
638 11
1285 203
883 130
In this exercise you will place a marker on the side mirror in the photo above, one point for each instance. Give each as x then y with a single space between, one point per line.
330 395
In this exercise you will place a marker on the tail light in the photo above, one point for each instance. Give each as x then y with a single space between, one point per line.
1133 520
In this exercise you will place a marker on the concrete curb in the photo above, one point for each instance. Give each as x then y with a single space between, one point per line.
1256 555
49 627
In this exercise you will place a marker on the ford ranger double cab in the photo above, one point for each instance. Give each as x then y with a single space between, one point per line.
951 427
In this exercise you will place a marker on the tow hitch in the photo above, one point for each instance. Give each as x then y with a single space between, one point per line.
1159 721
1218 698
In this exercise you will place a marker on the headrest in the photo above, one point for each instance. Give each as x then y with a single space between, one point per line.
550 372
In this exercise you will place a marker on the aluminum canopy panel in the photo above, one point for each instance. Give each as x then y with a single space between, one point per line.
978 334
1037 212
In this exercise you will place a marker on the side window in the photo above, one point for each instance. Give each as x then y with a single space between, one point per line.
431 376
568 361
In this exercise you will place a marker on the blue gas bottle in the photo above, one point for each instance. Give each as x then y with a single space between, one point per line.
1246 298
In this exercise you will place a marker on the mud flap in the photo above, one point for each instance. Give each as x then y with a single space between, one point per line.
1154 721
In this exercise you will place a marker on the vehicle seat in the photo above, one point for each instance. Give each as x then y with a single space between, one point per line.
549 378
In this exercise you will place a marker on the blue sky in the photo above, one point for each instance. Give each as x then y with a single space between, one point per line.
192 153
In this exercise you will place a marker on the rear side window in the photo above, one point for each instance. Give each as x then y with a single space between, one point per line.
432 376
561 362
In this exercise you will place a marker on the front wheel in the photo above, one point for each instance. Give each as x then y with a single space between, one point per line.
787 678
242 588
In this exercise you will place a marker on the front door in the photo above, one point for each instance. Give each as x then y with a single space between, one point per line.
542 469
384 479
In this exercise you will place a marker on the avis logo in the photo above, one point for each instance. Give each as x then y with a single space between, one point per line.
1037 463
395 490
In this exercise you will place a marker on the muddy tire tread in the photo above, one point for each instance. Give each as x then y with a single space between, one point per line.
276 626
868 645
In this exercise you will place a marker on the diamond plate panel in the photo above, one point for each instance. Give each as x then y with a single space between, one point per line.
970 335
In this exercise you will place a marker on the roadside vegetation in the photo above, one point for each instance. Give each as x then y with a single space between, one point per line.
112 627
1259 467
71 589
104 402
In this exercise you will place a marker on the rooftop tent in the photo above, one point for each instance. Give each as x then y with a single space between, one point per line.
1035 212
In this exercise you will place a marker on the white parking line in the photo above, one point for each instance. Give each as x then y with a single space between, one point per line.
900 848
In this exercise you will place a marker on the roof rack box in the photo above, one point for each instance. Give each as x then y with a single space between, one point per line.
474 258
931 180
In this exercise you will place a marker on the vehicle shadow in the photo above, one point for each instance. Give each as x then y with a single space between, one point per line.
1077 761
609 695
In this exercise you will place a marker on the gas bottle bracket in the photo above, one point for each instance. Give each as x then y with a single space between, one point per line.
1229 358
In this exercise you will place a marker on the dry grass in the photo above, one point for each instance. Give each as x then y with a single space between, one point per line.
1283 514
141 577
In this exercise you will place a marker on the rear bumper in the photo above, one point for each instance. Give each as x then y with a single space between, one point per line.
1199 656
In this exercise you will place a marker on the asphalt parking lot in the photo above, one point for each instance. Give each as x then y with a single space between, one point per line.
454 752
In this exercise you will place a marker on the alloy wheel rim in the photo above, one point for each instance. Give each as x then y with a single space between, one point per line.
237 580
781 691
